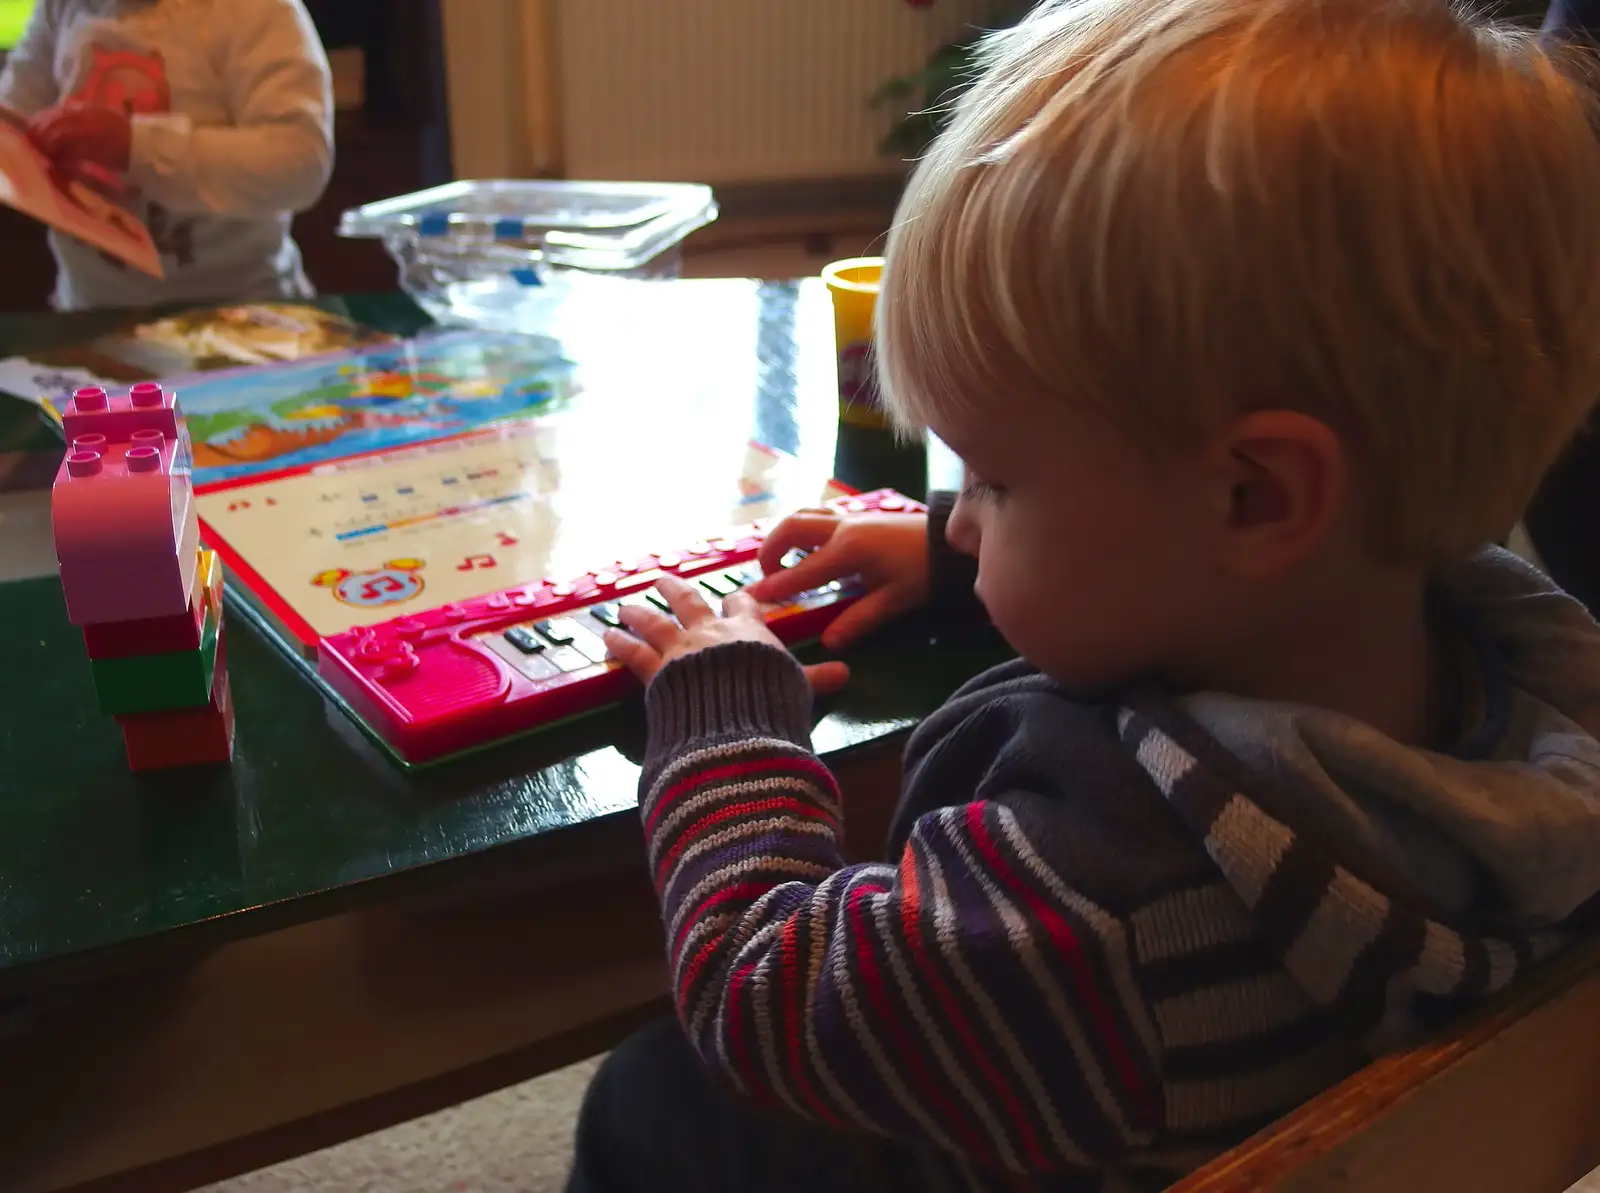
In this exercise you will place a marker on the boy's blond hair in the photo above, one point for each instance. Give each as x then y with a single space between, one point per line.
1382 213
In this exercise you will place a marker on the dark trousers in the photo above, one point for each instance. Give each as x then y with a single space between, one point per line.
654 1121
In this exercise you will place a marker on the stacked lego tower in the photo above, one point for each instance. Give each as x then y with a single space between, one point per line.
138 584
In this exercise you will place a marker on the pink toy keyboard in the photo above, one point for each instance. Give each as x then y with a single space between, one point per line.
466 675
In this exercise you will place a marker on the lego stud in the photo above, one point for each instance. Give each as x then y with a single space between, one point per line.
145 395
84 463
89 443
143 459
89 398
150 436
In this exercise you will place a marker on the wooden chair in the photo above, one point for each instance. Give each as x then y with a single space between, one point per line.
1508 1103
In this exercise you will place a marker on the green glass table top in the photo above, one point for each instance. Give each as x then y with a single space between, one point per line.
97 863
92 856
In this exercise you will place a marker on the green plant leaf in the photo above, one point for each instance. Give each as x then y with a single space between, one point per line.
947 72
898 90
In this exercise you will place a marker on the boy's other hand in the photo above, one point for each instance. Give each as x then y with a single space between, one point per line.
888 551
656 639
84 133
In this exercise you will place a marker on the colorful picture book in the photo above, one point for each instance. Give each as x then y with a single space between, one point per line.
214 338
75 204
253 422
208 339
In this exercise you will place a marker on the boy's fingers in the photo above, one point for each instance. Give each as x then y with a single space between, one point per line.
806 530
686 604
861 618
633 654
827 678
657 631
811 572
741 604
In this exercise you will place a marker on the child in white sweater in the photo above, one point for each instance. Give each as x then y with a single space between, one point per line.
218 114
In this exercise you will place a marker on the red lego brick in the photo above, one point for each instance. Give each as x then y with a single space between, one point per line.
161 635
188 737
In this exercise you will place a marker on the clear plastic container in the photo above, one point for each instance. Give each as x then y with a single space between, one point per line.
497 253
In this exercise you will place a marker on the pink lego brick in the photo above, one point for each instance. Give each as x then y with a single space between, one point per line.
127 530
162 635
95 415
146 407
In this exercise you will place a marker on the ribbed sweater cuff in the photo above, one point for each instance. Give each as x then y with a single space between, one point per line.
724 693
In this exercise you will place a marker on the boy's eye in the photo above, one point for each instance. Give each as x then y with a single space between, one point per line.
977 490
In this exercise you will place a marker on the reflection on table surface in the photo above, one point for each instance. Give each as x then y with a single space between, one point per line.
647 417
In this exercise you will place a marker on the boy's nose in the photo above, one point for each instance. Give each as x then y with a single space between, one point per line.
962 531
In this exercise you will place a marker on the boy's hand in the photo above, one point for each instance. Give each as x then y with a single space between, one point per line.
656 639
84 133
888 551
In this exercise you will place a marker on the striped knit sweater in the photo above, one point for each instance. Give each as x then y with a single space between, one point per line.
1093 958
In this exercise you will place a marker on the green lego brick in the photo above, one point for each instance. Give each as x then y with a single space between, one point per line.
159 682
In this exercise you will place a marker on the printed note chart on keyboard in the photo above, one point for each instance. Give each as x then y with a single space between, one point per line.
360 541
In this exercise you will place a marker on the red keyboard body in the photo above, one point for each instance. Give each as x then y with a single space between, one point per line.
464 676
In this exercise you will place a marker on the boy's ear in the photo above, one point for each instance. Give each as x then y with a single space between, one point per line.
1282 480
